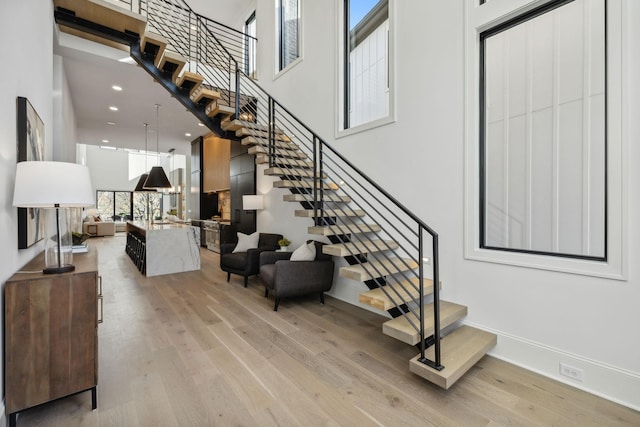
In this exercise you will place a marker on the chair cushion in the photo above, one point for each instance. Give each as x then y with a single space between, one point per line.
246 241
306 252
234 260
267 274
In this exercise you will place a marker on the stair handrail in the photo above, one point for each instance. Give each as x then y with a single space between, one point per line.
318 148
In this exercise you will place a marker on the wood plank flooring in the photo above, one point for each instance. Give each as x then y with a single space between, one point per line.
191 349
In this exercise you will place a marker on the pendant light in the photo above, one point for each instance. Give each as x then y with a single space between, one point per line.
145 175
157 178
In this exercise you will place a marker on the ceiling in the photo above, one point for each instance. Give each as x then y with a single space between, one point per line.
92 69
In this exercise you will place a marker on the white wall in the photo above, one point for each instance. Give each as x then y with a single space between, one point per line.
64 120
542 317
29 48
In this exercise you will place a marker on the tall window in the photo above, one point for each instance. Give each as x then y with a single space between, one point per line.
114 204
543 149
250 39
289 32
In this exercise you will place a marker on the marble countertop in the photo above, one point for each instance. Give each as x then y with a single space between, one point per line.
157 225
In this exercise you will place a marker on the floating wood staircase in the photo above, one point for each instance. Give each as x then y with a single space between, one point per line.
392 282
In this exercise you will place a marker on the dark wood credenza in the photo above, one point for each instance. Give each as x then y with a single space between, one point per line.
51 333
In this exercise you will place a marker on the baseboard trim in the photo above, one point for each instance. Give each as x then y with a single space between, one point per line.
609 382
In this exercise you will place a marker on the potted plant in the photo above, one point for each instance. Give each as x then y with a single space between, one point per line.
284 244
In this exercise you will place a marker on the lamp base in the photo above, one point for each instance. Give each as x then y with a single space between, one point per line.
58 270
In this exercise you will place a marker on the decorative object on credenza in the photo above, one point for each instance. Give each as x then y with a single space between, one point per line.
252 202
30 147
54 186
157 179
284 244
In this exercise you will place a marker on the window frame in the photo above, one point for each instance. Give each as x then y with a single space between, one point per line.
250 52
615 266
343 98
280 59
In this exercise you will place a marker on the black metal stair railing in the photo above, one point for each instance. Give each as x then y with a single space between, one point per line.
306 163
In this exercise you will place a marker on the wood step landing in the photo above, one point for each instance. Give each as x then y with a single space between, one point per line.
400 328
104 13
329 197
308 213
336 230
204 96
459 351
359 247
217 108
398 293
373 270
280 152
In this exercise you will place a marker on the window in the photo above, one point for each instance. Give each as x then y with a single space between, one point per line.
250 31
115 205
545 101
542 140
145 202
366 62
289 32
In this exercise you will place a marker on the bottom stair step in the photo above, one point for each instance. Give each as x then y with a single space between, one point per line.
401 329
459 351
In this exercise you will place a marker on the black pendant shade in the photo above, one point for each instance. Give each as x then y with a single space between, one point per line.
141 181
156 179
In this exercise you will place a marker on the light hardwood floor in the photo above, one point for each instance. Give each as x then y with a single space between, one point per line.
191 349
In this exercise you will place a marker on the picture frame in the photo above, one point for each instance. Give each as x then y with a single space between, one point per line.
30 146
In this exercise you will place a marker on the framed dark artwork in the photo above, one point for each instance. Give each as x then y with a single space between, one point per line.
30 147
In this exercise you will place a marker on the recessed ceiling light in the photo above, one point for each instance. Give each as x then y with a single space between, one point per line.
116 88
111 123
187 134
107 147
201 124
106 141
112 108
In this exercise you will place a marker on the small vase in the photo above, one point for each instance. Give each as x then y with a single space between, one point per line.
284 248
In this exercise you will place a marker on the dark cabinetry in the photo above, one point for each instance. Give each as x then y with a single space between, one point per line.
243 181
201 205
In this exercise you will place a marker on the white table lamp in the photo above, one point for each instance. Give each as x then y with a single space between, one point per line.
54 186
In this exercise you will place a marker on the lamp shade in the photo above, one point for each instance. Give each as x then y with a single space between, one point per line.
52 184
141 181
252 202
156 179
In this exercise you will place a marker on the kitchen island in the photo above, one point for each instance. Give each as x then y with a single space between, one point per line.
163 247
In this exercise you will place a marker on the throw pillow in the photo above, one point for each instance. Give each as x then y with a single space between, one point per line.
246 241
306 252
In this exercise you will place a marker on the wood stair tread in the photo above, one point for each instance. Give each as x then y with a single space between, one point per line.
246 131
190 81
359 247
262 159
459 351
374 269
280 171
234 125
173 63
280 152
264 142
204 96
396 293
308 213
216 108
153 44
335 230
304 183
330 197
401 329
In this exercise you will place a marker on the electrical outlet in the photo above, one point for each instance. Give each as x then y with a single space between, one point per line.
571 372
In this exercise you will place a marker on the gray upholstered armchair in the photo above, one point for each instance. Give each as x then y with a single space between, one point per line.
285 278
246 263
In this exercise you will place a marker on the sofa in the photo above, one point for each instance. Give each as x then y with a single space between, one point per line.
99 228
285 278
